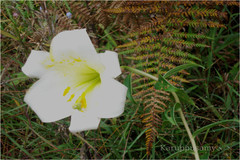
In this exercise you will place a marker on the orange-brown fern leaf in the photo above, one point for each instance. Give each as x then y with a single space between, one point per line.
208 3
154 102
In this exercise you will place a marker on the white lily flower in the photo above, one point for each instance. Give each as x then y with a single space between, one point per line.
75 81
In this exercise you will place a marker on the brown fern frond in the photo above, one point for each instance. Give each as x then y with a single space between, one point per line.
158 95
160 23
150 137
138 79
193 23
176 33
148 7
177 78
222 2
143 92
198 12
183 43
174 83
146 85
175 59
154 102
136 3
146 31
205 3
142 57
161 64
153 47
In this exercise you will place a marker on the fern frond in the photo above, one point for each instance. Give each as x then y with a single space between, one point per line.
175 59
161 23
138 80
136 9
146 85
170 41
152 47
154 103
144 40
148 95
198 12
143 56
193 23
150 137
206 3
160 64
179 79
176 33
174 83
143 31
143 92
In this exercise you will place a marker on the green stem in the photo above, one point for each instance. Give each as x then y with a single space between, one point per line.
140 72
179 111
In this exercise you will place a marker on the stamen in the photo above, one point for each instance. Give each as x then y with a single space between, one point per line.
71 97
77 59
78 100
83 101
49 66
66 91
80 103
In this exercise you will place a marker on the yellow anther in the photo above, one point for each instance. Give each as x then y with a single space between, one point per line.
77 59
49 66
66 91
80 103
83 101
71 97
48 63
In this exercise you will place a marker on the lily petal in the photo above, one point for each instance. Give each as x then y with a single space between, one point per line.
81 121
111 63
45 97
33 67
108 100
75 43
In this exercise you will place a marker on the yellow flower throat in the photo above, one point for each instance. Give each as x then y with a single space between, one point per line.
82 79
86 82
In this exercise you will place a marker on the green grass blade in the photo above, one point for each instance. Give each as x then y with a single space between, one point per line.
213 125
135 140
128 83
179 68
